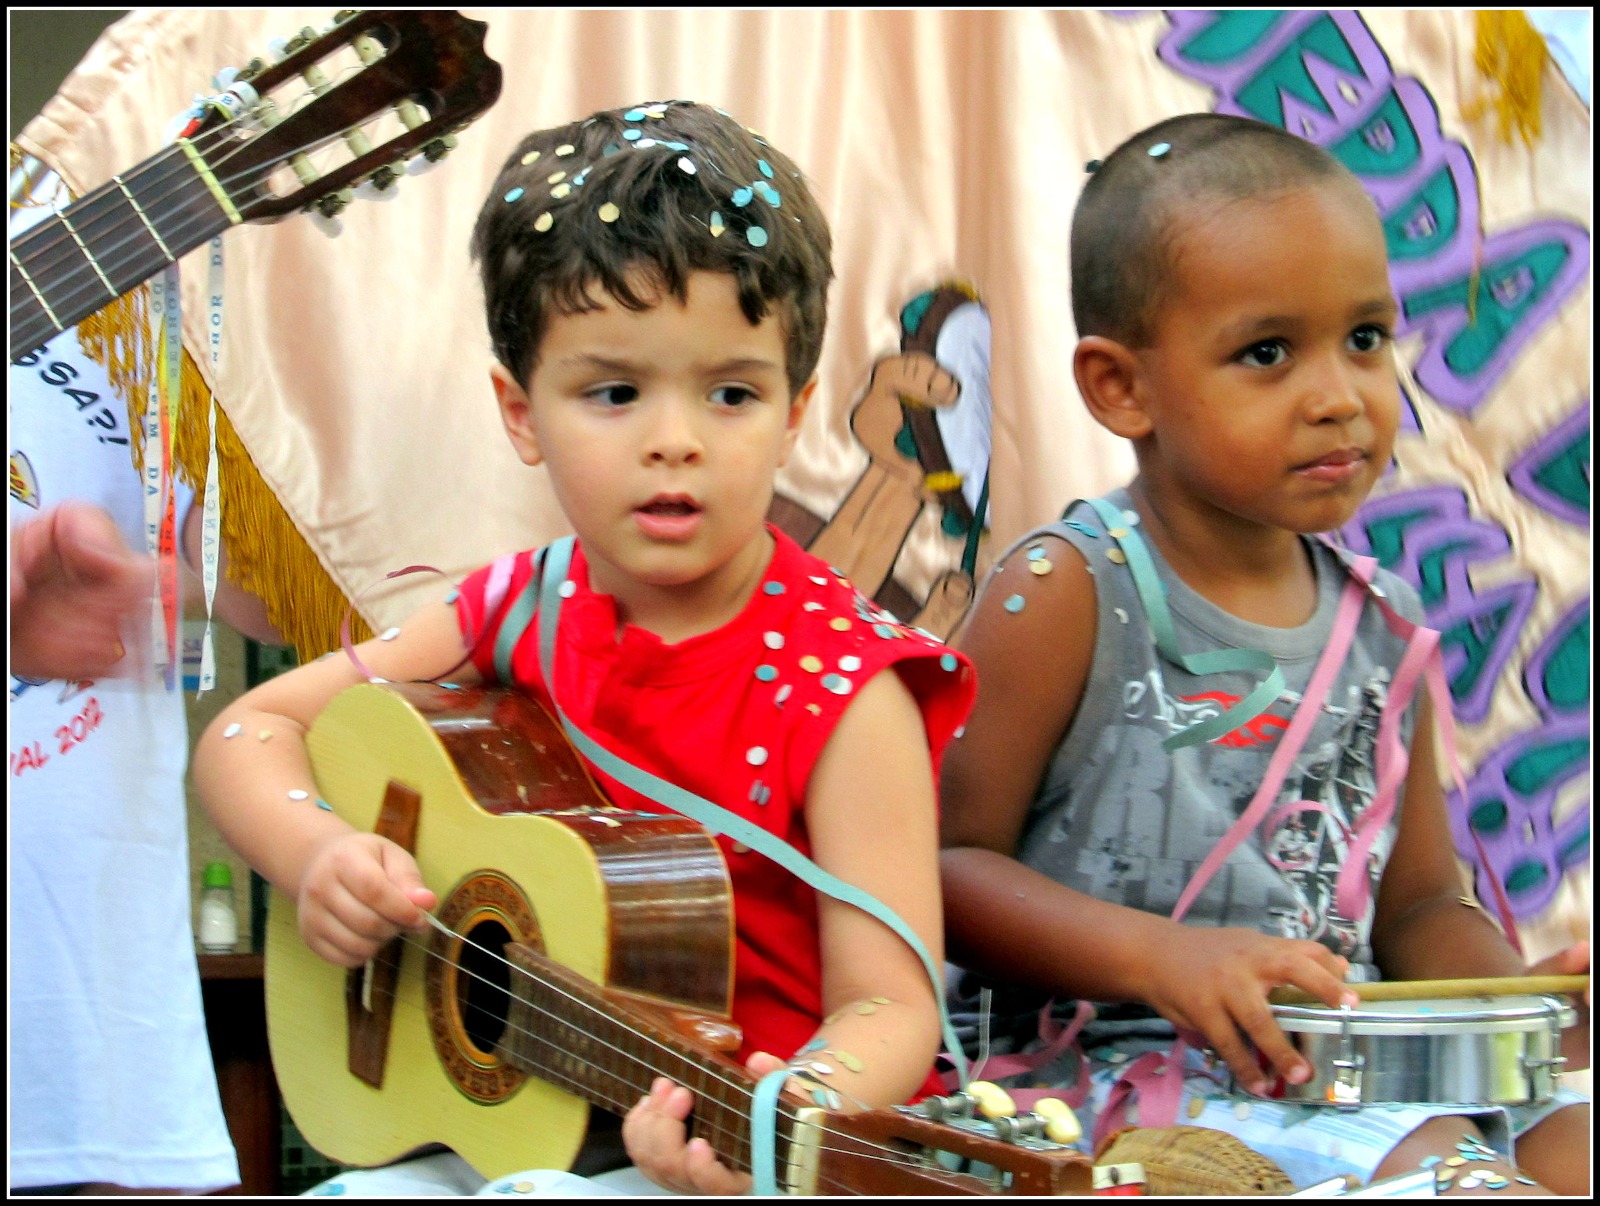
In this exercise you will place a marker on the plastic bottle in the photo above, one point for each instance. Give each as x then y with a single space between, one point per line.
219 925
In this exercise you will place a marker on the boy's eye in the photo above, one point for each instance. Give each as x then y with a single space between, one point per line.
1368 337
732 396
613 395
1269 353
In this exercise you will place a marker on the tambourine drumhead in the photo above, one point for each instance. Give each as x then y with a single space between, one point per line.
1472 1015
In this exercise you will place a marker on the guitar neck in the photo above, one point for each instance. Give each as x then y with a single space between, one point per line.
112 240
564 1030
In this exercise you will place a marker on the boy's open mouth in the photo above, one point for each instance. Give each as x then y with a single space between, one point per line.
671 505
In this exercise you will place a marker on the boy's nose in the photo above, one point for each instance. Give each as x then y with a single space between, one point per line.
674 438
1335 394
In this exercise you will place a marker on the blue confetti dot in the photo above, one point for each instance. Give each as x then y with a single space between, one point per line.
766 673
452 596
633 115
756 236
948 661
514 195
741 197
769 195
773 588
1160 149
1036 554
324 805
766 168
1015 604
633 135
678 146
611 148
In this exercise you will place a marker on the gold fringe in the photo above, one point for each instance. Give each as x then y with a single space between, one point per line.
1511 56
267 556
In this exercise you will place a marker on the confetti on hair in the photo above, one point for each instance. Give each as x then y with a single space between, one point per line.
756 236
766 168
1160 149
687 165
717 226
565 148
555 177
741 196
560 190
609 212
530 157
514 195
633 135
543 222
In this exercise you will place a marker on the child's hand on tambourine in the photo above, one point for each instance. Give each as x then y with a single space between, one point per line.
1574 961
359 891
1216 981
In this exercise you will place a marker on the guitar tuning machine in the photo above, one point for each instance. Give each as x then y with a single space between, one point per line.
332 204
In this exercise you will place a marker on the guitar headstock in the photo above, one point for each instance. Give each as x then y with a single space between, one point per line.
376 89
903 1151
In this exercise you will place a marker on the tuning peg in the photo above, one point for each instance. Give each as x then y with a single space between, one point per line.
375 190
1061 1124
993 1101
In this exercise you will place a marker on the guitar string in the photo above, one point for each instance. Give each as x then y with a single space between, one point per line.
716 1075
203 142
82 276
709 1123
893 1156
81 279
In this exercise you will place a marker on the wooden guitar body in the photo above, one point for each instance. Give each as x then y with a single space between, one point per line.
581 952
515 838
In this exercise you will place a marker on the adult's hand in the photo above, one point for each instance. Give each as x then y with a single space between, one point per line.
75 585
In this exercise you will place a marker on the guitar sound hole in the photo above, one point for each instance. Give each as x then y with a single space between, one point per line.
483 985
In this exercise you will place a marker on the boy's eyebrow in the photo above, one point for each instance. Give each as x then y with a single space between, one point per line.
608 364
1378 307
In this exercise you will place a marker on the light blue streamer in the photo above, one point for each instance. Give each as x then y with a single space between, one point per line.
714 817
763 1147
1153 594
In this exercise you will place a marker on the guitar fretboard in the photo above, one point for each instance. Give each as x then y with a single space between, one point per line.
561 1029
110 240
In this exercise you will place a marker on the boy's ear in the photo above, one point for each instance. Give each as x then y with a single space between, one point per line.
797 412
1107 373
516 414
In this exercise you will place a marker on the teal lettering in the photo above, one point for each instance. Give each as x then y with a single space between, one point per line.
1286 72
1566 474
1506 291
1425 222
1476 636
1231 36
1566 673
1544 765
1386 144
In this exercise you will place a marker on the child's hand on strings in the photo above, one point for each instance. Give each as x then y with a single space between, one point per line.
655 1132
359 891
1216 981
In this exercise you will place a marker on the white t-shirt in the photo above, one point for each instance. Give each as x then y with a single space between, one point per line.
110 1070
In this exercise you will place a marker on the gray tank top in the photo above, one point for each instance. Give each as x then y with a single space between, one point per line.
1123 820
